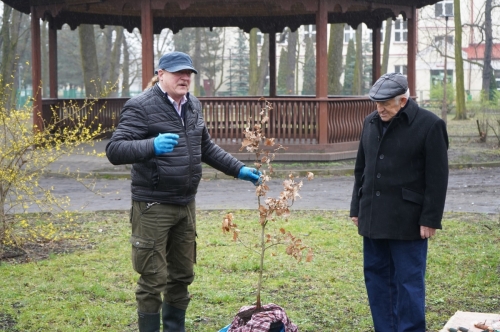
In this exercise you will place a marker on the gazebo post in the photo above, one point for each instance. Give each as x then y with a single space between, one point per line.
412 50
52 60
272 63
376 54
147 42
36 70
322 70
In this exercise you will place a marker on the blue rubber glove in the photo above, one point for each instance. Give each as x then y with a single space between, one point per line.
250 174
165 143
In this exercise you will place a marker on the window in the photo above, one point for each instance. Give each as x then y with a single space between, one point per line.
444 8
349 33
403 69
437 76
497 77
400 30
310 31
440 40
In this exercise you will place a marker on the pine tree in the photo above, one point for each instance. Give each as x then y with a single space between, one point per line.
309 85
349 67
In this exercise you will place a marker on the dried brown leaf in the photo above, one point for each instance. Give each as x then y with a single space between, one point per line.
309 256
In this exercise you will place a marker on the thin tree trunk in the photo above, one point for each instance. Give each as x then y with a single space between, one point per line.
126 70
253 65
90 67
487 69
197 61
105 54
291 59
6 61
114 71
263 66
45 59
387 46
335 58
358 63
459 65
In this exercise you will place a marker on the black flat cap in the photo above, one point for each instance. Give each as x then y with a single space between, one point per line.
388 86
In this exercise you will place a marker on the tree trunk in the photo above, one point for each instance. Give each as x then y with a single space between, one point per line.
387 46
126 70
8 49
104 48
253 65
13 47
335 58
358 63
114 71
290 62
45 59
263 66
90 67
197 61
459 65
488 34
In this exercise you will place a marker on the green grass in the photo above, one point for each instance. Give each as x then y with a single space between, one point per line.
92 289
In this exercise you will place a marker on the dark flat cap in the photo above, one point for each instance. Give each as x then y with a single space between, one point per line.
176 61
388 86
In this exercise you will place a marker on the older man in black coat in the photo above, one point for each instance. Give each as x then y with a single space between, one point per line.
401 178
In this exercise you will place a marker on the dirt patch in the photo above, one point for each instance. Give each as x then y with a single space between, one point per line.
472 151
38 251
7 322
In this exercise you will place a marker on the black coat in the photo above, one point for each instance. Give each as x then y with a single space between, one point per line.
171 177
401 177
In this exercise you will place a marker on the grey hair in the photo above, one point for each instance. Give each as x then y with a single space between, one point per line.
406 95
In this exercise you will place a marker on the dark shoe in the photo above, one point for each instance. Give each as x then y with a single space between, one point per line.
173 318
149 322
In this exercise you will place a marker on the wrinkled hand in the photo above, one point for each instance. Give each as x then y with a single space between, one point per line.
427 232
250 174
165 143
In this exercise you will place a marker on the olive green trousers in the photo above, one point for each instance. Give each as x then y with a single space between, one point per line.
163 253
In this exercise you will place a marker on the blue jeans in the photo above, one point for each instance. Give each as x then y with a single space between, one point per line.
395 282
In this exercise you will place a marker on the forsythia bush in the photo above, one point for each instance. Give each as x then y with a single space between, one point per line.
25 153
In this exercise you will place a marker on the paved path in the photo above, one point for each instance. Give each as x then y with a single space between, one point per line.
469 190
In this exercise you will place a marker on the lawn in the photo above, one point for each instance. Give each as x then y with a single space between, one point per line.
87 284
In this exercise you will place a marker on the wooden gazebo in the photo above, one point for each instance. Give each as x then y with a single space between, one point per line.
320 124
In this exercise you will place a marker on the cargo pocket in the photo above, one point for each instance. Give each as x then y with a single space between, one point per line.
413 196
143 255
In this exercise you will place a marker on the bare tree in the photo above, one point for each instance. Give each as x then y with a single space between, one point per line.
387 45
358 63
459 66
253 63
114 71
335 58
13 42
291 61
90 67
488 36
263 66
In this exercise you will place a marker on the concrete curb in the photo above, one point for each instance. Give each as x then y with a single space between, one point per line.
213 174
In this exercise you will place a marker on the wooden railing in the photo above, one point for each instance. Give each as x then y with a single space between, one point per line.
293 120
